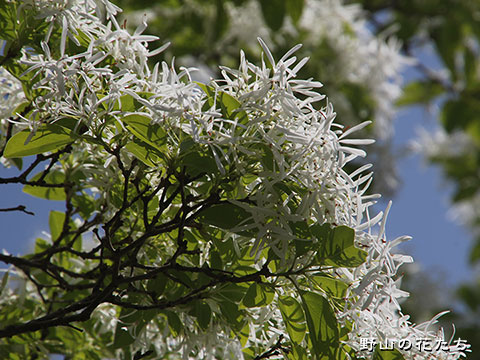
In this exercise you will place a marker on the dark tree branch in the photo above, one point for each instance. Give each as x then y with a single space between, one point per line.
276 349
22 208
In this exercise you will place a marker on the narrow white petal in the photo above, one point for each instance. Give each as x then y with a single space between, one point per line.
355 128
64 36
267 52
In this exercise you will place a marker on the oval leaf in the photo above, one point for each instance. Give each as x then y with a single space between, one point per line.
293 318
337 246
141 126
46 138
225 216
322 325
273 12
332 287
258 295
203 314
49 193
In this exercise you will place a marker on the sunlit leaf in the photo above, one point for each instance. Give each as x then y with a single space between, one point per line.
55 221
47 138
50 193
293 317
142 127
322 325
332 287
143 152
337 246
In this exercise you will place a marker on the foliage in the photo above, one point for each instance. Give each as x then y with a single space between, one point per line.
202 220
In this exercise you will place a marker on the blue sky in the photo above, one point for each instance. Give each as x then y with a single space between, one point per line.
421 206
420 209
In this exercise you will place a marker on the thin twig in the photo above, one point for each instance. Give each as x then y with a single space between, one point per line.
21 208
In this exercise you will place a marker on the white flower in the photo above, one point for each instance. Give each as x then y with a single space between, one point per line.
11 94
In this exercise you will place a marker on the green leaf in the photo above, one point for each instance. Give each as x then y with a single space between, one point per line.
18 162
387 354
293 317
460 113
258 295
41 245
22 108
130 323
198 162
322 325
470 295
122 337
8 25
55 221
332 287
221 19
143 152
4 282
203 313
84 203
225 216
232 292
127 103
298 353
141 126
337 246
49 193
301 231
216 260
229 106
473 129
447 38
174 322
244 334
232 314
295 9
420 92
475 253
273 12
157 284
471 65
46 138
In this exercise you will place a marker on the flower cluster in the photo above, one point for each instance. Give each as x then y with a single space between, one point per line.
372 63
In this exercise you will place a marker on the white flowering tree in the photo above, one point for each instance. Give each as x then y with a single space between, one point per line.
202 220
